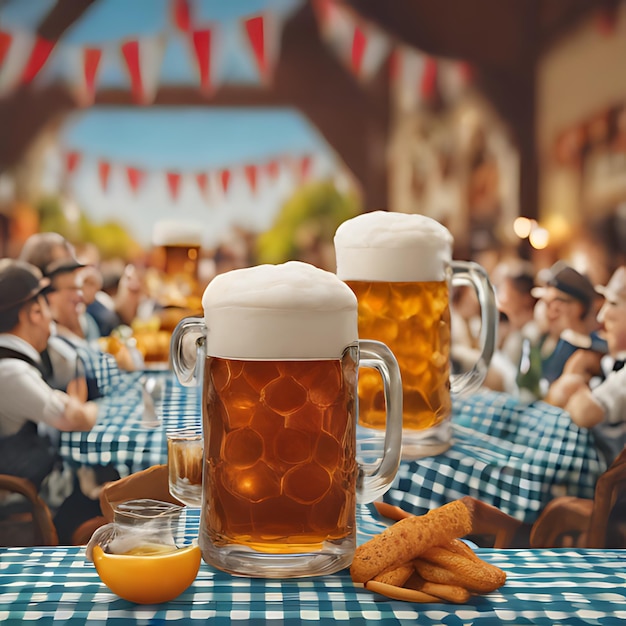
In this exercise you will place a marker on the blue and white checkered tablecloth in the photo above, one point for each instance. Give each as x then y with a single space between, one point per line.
544 587
120 438
513 455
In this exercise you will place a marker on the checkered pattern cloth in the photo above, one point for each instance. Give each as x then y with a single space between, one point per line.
121 437
513 455
543 587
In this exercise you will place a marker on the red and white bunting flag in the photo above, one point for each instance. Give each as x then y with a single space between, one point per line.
273 169
452 79
181 15
408 70
72 161
225 177
203 183
84 64
305 165
206 47
135 178
37 59
370 48
104 172
262 34
173 184
15 49
142 59
251 172
430 78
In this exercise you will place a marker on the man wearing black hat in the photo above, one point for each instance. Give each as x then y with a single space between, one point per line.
25 329
565 300
603 407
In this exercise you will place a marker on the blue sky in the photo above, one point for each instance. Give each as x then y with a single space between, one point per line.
158 138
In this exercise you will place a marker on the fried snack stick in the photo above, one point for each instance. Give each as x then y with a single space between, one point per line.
439 565
396 576
408 538
400 593
450 593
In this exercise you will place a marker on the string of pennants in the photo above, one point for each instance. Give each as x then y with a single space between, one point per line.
360 45
300 168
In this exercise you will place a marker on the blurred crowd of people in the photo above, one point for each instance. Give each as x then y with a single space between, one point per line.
561 339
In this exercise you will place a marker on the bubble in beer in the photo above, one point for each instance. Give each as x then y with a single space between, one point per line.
243 447
307 483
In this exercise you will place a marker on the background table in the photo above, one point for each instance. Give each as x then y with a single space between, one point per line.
57 585
512 455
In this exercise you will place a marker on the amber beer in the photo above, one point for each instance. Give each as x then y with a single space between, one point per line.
413 319
400 267
280 356
281 453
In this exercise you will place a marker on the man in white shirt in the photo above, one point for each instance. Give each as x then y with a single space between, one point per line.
602 408
29 404
25 328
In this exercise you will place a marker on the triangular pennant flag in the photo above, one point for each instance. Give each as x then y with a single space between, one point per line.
203 183
142 60
72 161
409 70
202 46
305 164
256 36
104 171
225 180
37 59
5 43
359 43
263 37
428 85
135 178
251 172
273 169
173 183
181 15
16 48
91 64
84 64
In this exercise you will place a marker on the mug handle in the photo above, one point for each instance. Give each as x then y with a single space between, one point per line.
470 273
375 480
187 350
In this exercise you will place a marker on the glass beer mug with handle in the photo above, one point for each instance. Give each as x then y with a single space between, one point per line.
400 267
281 478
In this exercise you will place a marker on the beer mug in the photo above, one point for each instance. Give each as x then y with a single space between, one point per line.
280 352
400 267
179 244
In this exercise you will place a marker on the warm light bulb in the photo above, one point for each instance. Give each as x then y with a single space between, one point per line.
539 238
522 227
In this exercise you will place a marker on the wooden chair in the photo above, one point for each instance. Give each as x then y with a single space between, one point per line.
31 526
578 522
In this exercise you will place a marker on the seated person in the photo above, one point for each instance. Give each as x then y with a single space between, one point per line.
566 300
28 402
602 408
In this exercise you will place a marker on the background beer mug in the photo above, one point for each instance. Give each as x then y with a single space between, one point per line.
281 480
400 267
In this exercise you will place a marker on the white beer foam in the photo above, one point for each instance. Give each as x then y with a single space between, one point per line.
290 311
392 247
177 233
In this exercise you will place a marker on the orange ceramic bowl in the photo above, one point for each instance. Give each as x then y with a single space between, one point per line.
148 579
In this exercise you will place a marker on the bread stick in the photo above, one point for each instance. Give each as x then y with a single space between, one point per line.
408 538
451 593
475 575
400 593
460 547
396 575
